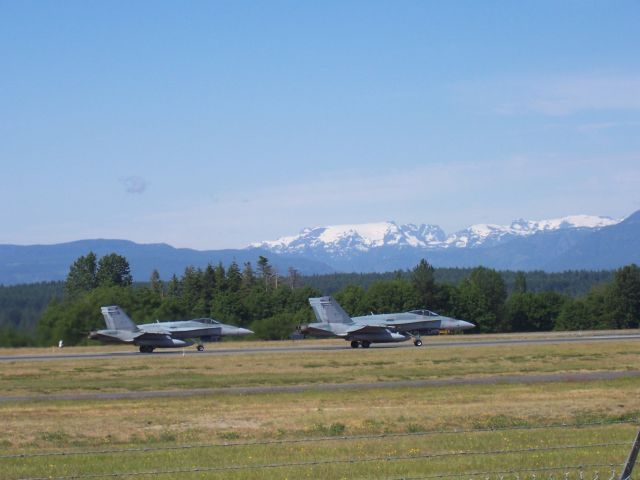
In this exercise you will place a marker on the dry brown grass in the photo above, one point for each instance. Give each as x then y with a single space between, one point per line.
203 418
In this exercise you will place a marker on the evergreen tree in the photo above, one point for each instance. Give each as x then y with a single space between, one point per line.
191 287
423 279
81 278
533 312
520 284
624 297
174 288
209 285
265 270
248 277
391 296
234 277
574 315
156 284
352 300
278 327
171 308
481 299
600 316
113 269
220 277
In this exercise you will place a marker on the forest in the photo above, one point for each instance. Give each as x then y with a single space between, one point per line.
272 305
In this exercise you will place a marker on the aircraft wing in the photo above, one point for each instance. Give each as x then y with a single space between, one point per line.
126 336
368 329
320 332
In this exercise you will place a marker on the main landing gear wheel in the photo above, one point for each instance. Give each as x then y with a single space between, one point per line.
146 349
200 348
417 342
354 344
366 344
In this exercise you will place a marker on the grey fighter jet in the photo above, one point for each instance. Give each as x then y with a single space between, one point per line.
148 336
333 321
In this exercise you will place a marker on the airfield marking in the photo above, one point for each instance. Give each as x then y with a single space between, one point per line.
313 348
329 387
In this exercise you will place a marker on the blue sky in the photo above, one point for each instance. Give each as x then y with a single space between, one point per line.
216 124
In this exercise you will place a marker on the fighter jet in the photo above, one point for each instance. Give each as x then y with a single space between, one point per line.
148 336
333 321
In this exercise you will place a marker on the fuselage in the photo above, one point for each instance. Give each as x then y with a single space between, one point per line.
174 334
416 321
388 327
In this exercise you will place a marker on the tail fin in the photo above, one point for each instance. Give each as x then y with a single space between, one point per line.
116 319
327 310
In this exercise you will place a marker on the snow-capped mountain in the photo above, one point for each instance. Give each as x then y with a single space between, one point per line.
484 234
344 240
523 244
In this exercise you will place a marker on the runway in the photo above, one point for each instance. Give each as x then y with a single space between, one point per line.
299 346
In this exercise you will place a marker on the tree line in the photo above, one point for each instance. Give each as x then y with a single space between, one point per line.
574 283
273 305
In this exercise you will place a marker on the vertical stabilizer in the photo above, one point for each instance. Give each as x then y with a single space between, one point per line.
116 319
327 310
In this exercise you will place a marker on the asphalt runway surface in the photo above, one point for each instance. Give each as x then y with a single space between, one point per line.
299 346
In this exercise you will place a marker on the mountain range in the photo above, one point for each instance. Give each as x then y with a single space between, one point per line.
570 243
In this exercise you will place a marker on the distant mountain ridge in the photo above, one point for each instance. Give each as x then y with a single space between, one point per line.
363 237
578 242
523 245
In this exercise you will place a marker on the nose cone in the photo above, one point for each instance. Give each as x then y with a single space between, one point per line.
465 325
243 331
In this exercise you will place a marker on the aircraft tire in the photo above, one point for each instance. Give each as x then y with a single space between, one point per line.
200 348
354 344
417 342
366 344
146 349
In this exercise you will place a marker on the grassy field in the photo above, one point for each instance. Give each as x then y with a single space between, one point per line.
368 433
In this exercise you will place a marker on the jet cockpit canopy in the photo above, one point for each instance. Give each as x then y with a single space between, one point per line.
209 321
425 313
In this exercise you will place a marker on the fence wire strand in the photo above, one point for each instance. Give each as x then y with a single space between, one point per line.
311 463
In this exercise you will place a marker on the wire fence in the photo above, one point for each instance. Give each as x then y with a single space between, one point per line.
613 469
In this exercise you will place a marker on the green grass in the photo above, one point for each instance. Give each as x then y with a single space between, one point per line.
384 457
